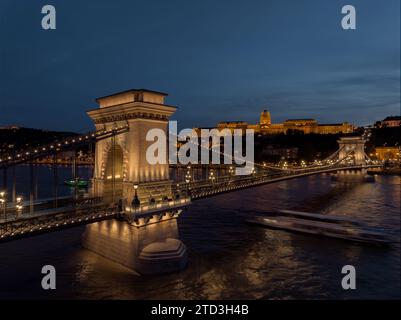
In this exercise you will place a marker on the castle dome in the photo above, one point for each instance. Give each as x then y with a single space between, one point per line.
265 118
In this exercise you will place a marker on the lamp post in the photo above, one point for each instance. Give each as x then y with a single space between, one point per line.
18 205
188 175
135 202
178 191
3 203
211 176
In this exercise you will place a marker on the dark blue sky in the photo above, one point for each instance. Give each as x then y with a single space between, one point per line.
218 60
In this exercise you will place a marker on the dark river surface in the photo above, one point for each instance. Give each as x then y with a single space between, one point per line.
228 258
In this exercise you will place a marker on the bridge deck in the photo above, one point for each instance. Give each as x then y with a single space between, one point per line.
202 189
78 213
50 220
91 210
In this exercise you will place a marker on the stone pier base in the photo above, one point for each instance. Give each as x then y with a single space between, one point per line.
152 249
165 256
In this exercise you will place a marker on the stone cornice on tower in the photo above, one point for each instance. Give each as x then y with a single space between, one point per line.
132 104
133 110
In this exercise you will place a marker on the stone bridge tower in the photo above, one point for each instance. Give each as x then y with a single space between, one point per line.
354 146
120 162
121 168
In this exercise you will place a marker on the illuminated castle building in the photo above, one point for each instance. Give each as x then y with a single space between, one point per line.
265 126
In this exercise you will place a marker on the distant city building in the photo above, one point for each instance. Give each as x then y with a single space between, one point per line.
387 153
283 153
232 125
392 121
265 126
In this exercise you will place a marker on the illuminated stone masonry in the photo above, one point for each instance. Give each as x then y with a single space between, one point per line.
125 158
146 238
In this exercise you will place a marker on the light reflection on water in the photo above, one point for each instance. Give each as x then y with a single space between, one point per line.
227 257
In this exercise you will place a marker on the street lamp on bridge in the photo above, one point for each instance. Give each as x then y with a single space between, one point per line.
188 175
18 205
211 176
135 202
3 203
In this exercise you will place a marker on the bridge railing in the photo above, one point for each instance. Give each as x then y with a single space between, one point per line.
13 212
56 219
204 188
161 205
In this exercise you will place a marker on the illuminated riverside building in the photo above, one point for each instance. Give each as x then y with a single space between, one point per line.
266 127
387 153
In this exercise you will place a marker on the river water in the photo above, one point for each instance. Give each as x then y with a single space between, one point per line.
228 258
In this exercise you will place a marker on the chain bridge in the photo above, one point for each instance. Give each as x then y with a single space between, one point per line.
129 200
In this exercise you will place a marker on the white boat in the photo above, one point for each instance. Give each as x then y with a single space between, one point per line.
322 225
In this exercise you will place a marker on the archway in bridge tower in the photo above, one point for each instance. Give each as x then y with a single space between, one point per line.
113 176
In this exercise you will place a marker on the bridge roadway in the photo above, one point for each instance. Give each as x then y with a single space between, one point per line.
89 210
84 211
11 212
55 218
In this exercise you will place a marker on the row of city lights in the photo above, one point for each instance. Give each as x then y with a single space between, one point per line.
3 203
285 166
229 187
66 142
71 221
